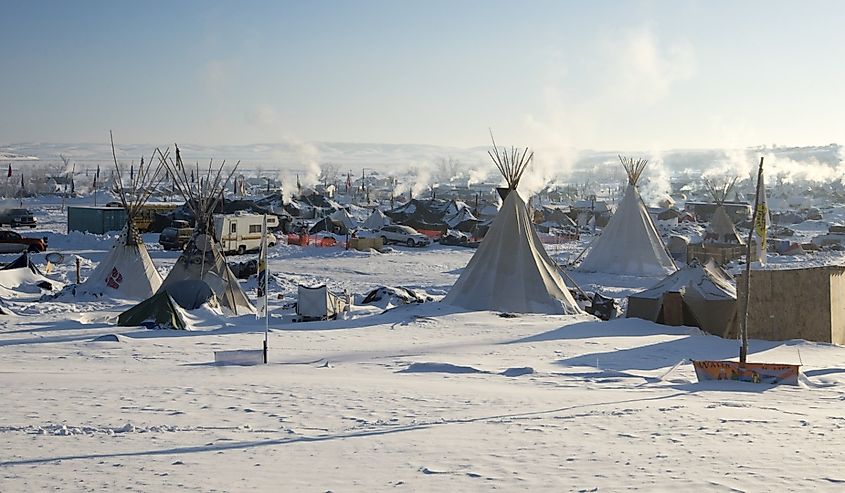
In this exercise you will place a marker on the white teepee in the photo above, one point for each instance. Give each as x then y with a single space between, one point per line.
376 221
128 271
629 244
511 270
721 229
202 259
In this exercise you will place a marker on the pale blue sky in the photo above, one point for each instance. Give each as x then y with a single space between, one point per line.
606 75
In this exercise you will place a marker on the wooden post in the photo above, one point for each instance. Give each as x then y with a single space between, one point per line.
77 270
743 321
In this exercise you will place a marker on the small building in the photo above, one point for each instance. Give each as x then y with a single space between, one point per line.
796 304
97 220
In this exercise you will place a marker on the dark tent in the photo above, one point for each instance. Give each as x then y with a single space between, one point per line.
22 262
326 224
156 312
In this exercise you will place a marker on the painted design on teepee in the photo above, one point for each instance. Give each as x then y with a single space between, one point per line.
511 270
629 244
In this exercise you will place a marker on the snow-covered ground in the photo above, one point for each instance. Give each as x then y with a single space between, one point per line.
418 398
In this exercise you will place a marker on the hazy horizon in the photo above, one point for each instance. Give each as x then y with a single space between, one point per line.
638 75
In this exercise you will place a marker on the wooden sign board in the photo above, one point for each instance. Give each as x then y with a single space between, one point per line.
762 373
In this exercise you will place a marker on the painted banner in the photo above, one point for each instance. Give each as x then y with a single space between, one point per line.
766 373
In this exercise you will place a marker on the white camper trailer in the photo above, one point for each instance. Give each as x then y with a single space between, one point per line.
239 233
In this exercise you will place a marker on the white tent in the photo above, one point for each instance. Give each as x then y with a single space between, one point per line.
317 303
721 229
376 221
629 244
341 216
202 258
128 271
511 270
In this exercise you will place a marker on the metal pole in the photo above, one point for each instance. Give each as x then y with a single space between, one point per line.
266 291
743 327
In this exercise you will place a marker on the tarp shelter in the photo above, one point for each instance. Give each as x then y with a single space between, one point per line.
158 311
317 303
707 293
329 225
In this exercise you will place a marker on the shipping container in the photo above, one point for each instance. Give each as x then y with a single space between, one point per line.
97 220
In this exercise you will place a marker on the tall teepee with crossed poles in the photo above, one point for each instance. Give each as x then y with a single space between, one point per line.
721 229
202 259
511 270
629 244
128 271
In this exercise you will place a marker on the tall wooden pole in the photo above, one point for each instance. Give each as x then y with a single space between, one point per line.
743 326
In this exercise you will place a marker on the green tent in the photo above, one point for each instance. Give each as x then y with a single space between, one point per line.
158 311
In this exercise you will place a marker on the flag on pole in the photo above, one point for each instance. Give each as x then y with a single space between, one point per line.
262 273
98 172
762 223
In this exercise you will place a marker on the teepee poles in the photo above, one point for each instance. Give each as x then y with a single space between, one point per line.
512 165
144 181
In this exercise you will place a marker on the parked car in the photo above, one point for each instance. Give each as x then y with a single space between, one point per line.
17 218
403 234
13 242
175 237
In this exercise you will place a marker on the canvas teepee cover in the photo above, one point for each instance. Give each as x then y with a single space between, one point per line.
202 258
376 221
629 244
511 270
721 229
128 271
